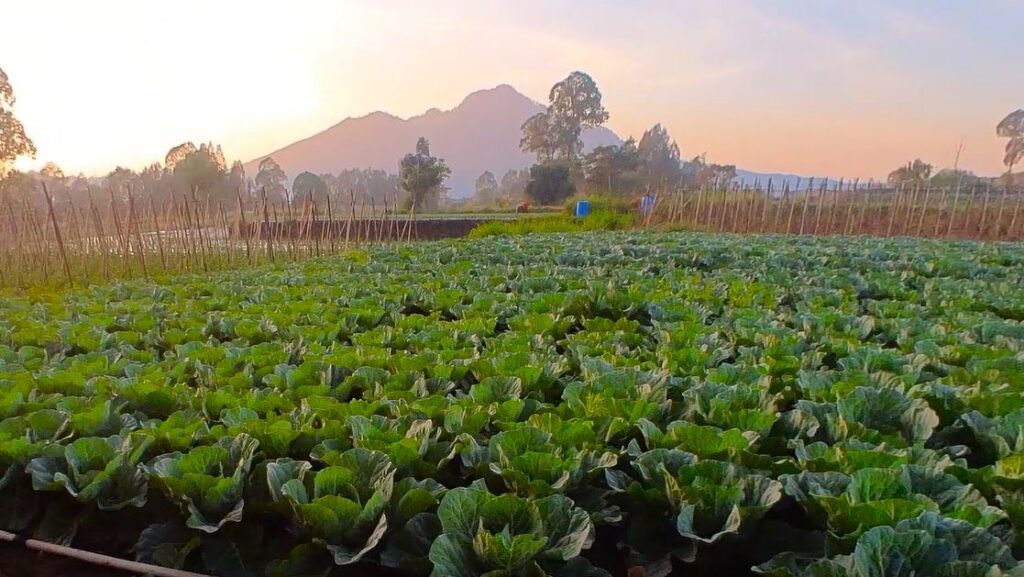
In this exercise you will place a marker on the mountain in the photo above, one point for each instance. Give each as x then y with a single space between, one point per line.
482 133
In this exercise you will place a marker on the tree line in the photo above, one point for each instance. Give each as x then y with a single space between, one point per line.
562 169
651 165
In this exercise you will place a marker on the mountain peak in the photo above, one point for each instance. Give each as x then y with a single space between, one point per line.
482 133
501 93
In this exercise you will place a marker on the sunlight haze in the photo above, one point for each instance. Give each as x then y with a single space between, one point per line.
814 88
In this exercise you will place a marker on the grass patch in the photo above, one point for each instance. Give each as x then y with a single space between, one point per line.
599 220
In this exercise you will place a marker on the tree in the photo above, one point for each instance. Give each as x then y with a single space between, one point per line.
550 183
659 158
574 104
513 185
487 187
13 140
119 179
698 172
307 183
236 179
177 154
1012 127
18 185
203 170
422 175
539 137
52 171
612 168
370 185
914 173
952 178
272 179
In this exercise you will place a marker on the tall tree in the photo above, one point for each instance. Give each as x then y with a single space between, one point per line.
236 179
272 179
13 140
1012 127
513 185
574 104
306 184
698 172
550 183
422 175
203 170
913 173
612 168
486 187
659 158
539 137
178 153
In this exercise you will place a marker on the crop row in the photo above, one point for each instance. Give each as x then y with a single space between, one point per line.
557 405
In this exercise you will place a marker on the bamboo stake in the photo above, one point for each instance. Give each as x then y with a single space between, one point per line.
133 223
266 225
924 209
897 197
60 239
1012 229
95 558
330 222
243 228
984 211
941 210
821 201
120 236
968 213
803 213
101 237
159 235
999 216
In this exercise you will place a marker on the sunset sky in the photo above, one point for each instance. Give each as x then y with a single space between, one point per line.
816 87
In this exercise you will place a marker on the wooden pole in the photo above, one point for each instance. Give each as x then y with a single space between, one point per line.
134 223
58 236
803 213
159 235
266 225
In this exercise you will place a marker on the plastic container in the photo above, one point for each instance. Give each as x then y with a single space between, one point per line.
582 208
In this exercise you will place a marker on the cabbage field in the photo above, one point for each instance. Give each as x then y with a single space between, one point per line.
636 403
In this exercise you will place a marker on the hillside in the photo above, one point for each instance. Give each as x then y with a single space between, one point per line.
482 133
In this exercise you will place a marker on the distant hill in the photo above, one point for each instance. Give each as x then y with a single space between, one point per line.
482 133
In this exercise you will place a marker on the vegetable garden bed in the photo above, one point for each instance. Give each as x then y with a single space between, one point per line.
591 404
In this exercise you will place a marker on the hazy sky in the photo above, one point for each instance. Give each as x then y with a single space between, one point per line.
819 87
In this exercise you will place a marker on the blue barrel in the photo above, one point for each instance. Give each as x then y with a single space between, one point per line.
582 208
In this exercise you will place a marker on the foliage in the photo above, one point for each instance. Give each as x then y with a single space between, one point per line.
574 104
1012 128
550 183
612 168
308 185
422 176
271 180
659 159
486 188
915 173
566 405
13 140
202 170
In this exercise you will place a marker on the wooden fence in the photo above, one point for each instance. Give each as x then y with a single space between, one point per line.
835 208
